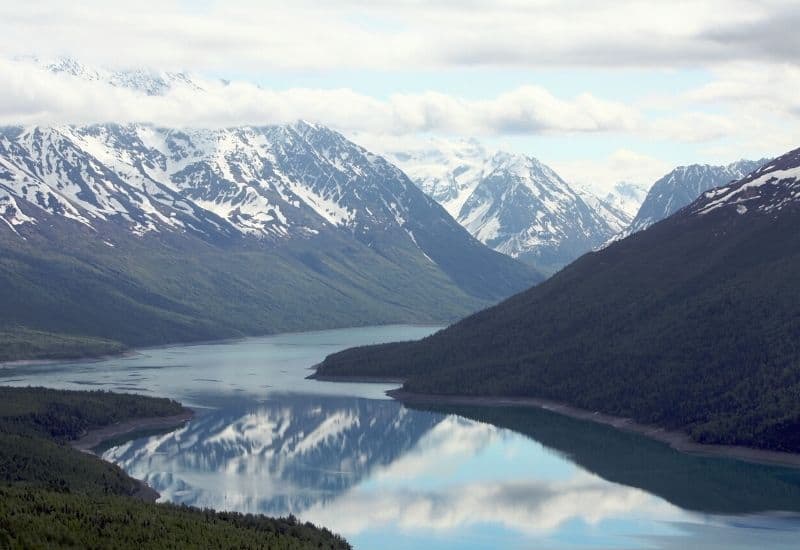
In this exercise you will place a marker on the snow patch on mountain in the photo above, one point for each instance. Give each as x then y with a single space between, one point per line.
10 212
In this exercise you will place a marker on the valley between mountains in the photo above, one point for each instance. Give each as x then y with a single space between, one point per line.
396 275
120 235
138 235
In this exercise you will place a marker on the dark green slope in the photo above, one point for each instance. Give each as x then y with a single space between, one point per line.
691 324
64 280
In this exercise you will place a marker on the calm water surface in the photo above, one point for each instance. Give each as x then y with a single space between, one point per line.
267 440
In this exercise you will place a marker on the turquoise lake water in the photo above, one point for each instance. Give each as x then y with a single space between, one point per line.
265 439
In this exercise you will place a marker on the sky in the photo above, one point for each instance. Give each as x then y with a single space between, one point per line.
602 91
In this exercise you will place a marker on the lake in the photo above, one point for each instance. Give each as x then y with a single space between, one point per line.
265 439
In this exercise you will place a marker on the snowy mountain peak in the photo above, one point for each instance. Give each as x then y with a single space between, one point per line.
268 182
145 81
523 166
511 202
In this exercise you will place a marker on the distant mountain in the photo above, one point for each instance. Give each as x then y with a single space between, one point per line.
144 235
626 196
448 171
689 324
146 81
513 203
612 208
770 189
682 186
618 205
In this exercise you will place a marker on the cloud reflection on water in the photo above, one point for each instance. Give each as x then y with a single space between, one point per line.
357 465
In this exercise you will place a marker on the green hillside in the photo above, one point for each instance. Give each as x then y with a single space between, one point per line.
65 292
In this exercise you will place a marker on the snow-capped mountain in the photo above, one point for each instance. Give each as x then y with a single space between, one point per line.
146 81
624 197
448 171
524 209
769 189
226 232
616 205
513 203
272 182
682 186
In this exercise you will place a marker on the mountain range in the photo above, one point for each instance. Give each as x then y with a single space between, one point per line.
144 235
512 203
147 81
515 204
689 324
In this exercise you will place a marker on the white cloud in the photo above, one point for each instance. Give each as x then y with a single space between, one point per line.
749 47
693 127
314 34
30 95
770 89
621 165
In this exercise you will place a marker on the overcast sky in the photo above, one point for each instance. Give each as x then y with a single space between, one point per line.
601 90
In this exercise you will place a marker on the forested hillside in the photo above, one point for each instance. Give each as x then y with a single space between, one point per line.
690 324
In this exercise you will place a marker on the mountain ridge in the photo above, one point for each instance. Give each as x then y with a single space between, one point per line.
681 186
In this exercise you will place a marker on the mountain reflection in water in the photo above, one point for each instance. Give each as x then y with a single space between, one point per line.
279 457
371 467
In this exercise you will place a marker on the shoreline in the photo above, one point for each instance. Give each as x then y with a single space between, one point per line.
679 441
128 352
93 438
355 379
